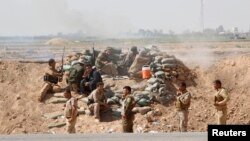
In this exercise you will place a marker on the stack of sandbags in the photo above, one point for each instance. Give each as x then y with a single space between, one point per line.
172 68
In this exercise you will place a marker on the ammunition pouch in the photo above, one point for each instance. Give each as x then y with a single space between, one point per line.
180 106
51 79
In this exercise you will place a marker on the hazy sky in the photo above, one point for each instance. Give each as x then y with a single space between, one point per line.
109 17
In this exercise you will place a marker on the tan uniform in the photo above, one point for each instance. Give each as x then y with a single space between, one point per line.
222 97
99 100
110 68
72 102
127 114
129 59
182 104
48 86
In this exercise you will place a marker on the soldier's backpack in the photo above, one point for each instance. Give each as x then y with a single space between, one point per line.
76 73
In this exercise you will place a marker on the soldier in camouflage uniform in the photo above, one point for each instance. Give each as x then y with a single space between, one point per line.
221 98
105 64
51 78
75 75
127 114
182 104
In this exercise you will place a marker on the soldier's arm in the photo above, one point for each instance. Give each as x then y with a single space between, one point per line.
55 73
143 59
100 58
225 97
74 107
128 102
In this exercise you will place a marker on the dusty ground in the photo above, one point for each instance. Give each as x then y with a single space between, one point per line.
20 84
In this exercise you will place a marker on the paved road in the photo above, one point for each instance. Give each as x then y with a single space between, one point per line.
108 137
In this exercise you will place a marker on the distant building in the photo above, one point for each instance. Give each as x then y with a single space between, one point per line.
235 30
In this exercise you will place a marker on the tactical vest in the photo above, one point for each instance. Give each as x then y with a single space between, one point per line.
128 106
181 106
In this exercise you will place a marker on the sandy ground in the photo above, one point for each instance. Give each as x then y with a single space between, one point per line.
20 84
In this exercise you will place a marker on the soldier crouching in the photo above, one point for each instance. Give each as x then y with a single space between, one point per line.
51 78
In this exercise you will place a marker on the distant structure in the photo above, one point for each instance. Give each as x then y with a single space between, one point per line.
235 30
202 16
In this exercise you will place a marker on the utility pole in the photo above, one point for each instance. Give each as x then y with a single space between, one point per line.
202 16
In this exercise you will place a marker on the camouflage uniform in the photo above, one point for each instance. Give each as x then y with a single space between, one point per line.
99 100
109 68
222 97
75 76
127 114
48 86
72 102
182 105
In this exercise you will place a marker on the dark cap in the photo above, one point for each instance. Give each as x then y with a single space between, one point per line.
217 82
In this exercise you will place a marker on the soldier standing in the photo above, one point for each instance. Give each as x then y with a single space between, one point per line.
51 78
70 112
182 104
127 114
221 98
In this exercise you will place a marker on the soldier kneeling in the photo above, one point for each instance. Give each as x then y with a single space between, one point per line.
51 78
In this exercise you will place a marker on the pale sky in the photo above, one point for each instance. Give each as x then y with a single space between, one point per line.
109 17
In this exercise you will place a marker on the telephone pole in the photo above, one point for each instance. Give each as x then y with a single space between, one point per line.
202 16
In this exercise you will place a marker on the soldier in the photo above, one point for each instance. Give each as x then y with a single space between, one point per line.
127 114
182 104
140 60
90 79
128 60
51 78
105 64
98 101
220 102
75 75
70 112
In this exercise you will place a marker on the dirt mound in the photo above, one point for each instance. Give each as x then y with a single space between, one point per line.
20 84
58 42
235 74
